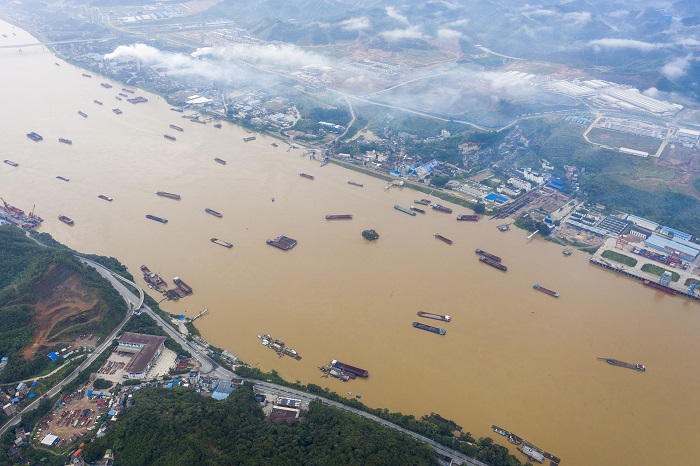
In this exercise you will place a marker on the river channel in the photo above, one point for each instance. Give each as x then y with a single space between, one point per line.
512 356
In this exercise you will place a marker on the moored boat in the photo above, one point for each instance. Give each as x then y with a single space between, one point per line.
488 255
213 212
225 244
416 209
117 111
404 210
339 217
627 365
499 431
35 136
429 328
468 218
106 86
166 194
442 238
282 242
157 219
430 315
422 201
306 175
660 287
106 198
10 162
545 290
350 369
493 264
97 102
66 220
442 208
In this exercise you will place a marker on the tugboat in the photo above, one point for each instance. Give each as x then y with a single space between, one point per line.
66 220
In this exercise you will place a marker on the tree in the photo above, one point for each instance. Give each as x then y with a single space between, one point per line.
479 208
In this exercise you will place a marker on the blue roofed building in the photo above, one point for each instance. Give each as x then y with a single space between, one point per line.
493 197
52 356
223 390
668 231
686 250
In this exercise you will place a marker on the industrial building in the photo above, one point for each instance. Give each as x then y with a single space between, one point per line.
685 249
147 349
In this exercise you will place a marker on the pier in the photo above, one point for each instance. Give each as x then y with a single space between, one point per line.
200 315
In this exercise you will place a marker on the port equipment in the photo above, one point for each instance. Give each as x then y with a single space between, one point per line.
665 279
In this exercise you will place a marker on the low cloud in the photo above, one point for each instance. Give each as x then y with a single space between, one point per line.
356 24
610 43
411 32
393 13
678 67
449 34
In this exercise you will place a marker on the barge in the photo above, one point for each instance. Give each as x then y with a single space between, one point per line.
430 315
157 219
106 198
660 287
87 75
429 328
213 212
499 431
182 285
10 162
422 201
177 128
442 238
545 290
441 208
97 102
488 255
65 141
167 136
82 114
166 194
493 263
531 453
249 138
467 218
225 244
62 178
35 136
353 183
350 369
306 175
404 210
221 161
282 242
627 365
117 111
339 217
416 209
66 220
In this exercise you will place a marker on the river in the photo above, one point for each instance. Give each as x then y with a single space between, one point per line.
512 356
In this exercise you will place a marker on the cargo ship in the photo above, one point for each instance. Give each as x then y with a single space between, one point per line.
404 210
339 217
442 238
62 178
106 198
106 86
350 369
615 362
34 136
87 75
249 138
213 212
167 136
82 114
117 111
355 184
157 219
177 128
468 218
170 195
493 263
430 315
429 328
416 209
422 201
442 208
306 175
225 244
282 242
658 286
10 162
545 290
65 141
221 161
487 255
66 220
182 285
137 100
97 102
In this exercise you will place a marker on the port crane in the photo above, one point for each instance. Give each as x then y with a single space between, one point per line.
11 208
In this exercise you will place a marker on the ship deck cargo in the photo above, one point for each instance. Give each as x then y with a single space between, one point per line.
627 365
430 315
282 242
429 328
442 238
339 217
488 255
157 219
225 244
348 368
545 290
404 210
493 264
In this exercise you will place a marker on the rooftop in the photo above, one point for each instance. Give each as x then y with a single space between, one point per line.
149 347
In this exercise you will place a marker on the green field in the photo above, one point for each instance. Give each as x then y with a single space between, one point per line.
656 270
621 258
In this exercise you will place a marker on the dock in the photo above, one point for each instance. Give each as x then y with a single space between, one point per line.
200 315
527 448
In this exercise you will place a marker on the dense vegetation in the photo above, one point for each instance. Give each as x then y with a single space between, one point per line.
22 265
180 427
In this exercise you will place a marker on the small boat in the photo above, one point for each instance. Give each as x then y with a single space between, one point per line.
123 95
339 217
504 227
499 431
416 209
442 238
430 315
127 90
404 210
65 141
10 162
157 219
221 161
106 198
545 290
225 244
353 183
97 102
66 220
117 111
55 63
306 175
217 125
615 362
179 110
213 212
167 136
82 114
62 178
106 86
177 128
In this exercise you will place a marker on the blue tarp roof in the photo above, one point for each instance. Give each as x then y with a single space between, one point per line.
496 198
52 356
112 412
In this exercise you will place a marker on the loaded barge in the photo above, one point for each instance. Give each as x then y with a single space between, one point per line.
339 217
468 218
66 220
545 290
166 194
404 210
429 328
430 315
282 242
442 238
213 212
442 208
488 255
660 287
615 362
493 263
350 369
225 244
154 280
157 219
